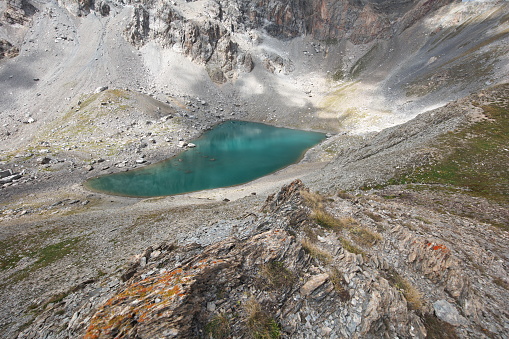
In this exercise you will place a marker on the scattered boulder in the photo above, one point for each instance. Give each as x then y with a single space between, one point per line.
101 89
102 7
5 173
43 160
313 283
11 178
448 313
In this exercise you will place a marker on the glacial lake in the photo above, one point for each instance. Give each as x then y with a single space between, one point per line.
232 153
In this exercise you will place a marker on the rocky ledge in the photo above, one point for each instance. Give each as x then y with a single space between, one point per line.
306 266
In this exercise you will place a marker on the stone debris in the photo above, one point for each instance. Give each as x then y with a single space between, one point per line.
43 160
311 290
9 178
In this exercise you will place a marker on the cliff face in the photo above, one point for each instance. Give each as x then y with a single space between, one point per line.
208 39
18 12
207 31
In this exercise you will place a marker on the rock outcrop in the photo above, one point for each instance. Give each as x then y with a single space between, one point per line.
288 273
7 50
18 12
206 31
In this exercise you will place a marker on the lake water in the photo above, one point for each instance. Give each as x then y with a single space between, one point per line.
232 153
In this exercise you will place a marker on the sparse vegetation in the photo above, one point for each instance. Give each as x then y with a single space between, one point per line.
218 327
474 158
361 235
259 323
365 237
316 252
347 245
500 282
33 250
313 200
46 256
339 283
323 218
327 220
345 195
374 216
277 275
412 295
339 75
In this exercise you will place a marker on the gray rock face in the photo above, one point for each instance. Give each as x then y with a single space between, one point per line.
205 31
78 7
137 30
84 7
205 42
5 173
448 313
209 40
18 12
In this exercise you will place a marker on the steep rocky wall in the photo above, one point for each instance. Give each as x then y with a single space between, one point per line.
204 37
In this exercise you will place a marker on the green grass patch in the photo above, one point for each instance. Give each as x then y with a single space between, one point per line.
475 158
41 256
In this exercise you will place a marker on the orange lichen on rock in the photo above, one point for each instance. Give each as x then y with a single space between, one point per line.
438 247
144 300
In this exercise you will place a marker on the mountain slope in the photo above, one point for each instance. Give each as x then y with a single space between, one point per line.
407 236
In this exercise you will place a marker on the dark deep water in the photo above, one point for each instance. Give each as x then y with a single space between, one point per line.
232 153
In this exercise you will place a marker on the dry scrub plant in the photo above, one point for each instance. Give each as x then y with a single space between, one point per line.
259 323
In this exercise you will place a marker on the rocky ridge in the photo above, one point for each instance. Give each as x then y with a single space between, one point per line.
384 271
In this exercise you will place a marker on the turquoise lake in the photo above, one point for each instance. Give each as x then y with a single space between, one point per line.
232 153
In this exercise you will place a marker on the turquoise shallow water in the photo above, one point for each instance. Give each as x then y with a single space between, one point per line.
232 153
